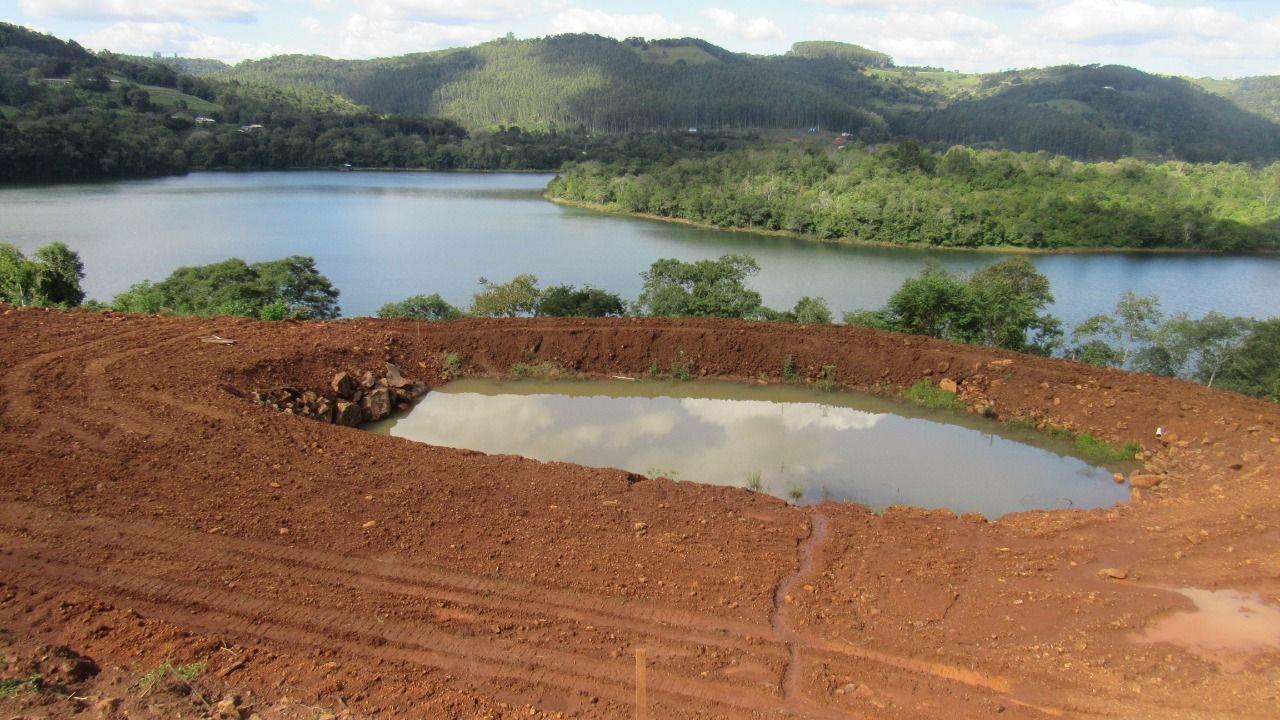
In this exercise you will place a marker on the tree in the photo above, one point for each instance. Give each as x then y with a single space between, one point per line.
512 299
1194 349
704 288
1010 297
50 278
934 303
421 307
1134 324
568 301
807 310
291 287
1254 369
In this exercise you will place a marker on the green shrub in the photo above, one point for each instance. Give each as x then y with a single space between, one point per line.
681 369
925 393
826 382
789 373
451 364
274 311
545 370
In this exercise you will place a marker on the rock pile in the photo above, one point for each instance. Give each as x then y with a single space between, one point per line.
352 401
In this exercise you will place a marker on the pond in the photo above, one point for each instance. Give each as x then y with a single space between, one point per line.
383 236
792 442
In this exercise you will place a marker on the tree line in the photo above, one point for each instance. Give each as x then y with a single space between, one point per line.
904 194
1004 305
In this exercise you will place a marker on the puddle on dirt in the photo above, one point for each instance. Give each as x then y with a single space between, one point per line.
1225 626
793 442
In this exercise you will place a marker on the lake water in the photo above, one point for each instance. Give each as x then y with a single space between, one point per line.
792 442
382 236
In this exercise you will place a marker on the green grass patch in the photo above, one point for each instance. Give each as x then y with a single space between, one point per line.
755 481
789 373
545 370
10 687
168 98
926 394
1099 450
185 673
451 364
826 382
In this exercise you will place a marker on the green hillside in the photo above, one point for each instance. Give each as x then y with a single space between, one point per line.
604 84
1259 95
1087 112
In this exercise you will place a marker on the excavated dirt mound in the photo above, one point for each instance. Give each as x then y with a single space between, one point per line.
154 513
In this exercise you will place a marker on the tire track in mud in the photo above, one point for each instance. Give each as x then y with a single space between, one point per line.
217 611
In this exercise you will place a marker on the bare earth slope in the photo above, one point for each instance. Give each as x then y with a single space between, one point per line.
150 511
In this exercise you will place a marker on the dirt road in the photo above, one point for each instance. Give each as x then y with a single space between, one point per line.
152 512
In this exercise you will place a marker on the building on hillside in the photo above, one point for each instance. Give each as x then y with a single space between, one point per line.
202 120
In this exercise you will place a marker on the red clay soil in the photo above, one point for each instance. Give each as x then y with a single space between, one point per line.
153 513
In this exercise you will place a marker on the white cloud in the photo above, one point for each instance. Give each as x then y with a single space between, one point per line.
174 37
310 24
760 28
433 10
364 36
649 25
148 10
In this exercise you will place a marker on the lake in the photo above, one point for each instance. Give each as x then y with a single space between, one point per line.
382 236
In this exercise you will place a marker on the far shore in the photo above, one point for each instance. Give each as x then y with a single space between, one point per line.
1001 249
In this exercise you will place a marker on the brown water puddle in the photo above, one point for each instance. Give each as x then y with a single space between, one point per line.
1227 626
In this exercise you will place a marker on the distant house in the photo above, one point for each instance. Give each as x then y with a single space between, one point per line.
202 120
693 130
1108 87
250 128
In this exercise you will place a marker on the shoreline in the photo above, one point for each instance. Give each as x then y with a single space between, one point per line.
997 249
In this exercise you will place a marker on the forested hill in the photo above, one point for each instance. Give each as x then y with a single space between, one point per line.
1086 112
607 85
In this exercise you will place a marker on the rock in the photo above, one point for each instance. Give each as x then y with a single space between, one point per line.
377 404
639 527
343 385
226 708
106 707
948 385
369 524
1113 573
348 414
1118 477
324 410
368 380
1145 481
395 379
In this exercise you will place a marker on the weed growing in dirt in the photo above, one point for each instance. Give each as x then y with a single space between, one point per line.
789 373
929 395
1099 450
655 370
13 686
451 363
755 481
826 382
681 369
185 673
795 492
545 370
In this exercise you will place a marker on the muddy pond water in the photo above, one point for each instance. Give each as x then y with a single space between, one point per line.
793 442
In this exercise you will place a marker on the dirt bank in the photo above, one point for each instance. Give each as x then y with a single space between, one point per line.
153 512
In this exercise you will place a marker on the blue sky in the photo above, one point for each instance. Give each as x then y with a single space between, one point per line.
1191 37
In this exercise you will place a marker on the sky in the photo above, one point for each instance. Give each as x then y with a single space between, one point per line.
1220 38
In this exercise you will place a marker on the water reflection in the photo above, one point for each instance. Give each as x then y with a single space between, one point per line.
840 446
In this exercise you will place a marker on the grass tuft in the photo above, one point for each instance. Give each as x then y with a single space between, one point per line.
927 394
545 370
13 686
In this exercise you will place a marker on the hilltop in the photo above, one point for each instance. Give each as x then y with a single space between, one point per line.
1086 112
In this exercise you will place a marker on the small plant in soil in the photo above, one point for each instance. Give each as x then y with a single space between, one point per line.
929 395
795 492
681 369
826 382
789 373
10 687
655 370
185 673
755 481
451 364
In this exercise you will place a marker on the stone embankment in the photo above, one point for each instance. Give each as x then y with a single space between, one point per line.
349 402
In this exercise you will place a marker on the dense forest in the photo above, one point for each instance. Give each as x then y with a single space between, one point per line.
1089 112
66 113
903 194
